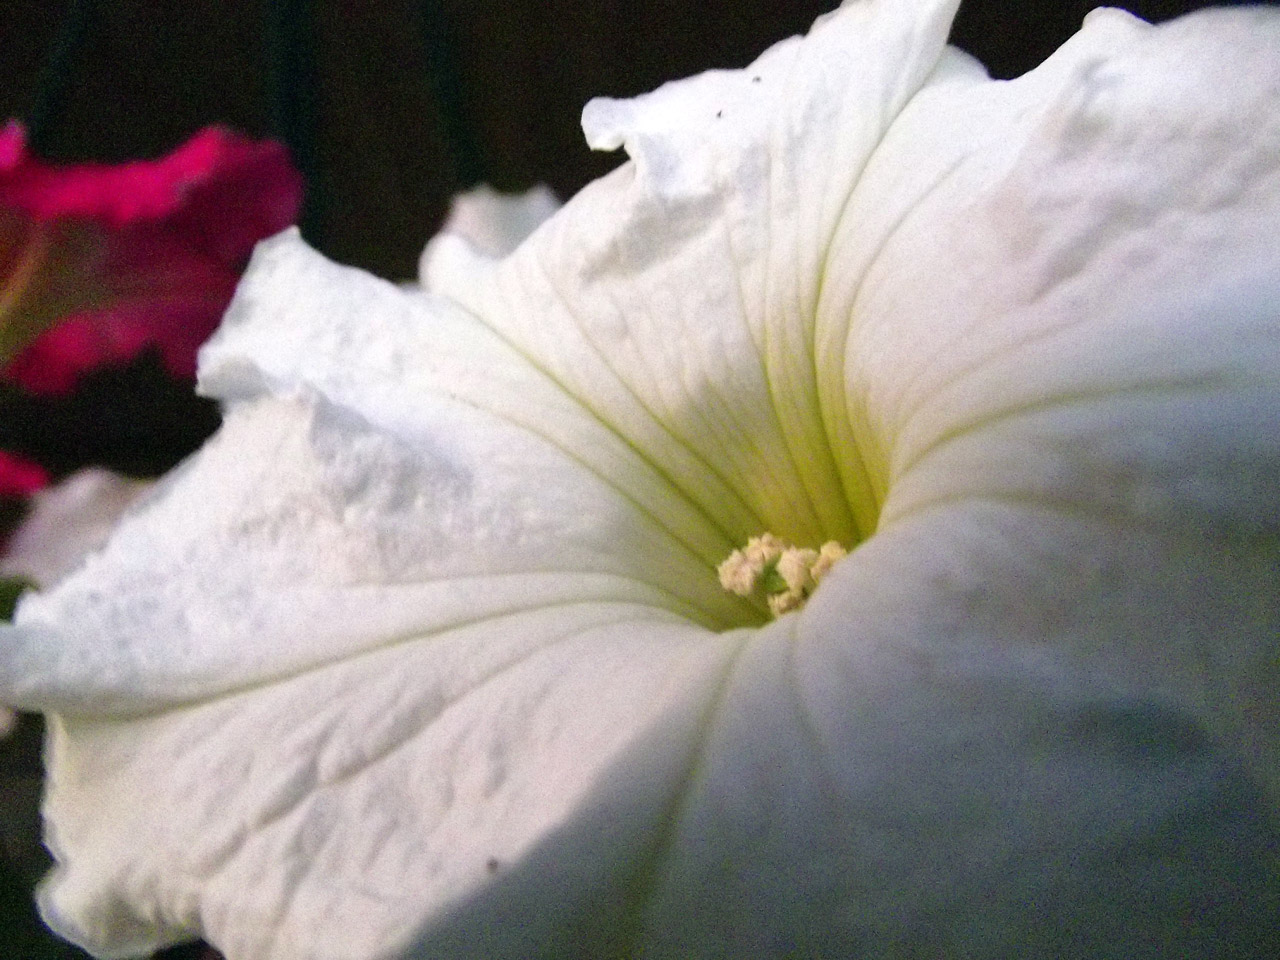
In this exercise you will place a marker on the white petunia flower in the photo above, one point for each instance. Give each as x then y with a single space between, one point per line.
426 654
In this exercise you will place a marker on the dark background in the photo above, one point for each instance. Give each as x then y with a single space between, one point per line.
390 106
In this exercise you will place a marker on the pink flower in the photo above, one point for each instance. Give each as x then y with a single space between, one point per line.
98 262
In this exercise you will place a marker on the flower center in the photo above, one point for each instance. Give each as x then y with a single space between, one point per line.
785 575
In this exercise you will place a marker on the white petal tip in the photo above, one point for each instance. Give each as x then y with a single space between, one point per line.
605 122
495 223
485 224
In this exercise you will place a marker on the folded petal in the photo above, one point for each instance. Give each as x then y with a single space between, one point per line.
367 485
449 583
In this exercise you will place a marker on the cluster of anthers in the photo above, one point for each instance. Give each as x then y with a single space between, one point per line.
784 574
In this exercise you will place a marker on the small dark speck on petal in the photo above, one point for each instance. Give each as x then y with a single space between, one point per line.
492 865
719 114
755 79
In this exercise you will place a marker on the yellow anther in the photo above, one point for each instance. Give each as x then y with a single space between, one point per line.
784 574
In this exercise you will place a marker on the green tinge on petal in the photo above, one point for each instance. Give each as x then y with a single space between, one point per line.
677 299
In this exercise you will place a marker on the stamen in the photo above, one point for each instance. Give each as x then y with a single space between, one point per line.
785 575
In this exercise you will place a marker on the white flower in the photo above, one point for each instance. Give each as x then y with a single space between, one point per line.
428 646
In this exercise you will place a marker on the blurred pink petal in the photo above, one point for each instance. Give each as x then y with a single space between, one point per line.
101 261
20 477
113 335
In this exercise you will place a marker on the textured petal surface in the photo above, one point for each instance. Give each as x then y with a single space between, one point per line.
380 620
365 486
424 654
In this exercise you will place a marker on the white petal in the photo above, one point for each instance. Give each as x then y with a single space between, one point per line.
492 223
329 814
365 602
889 775
406 506
67 522
1044 316
373 481
369 532
914 760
